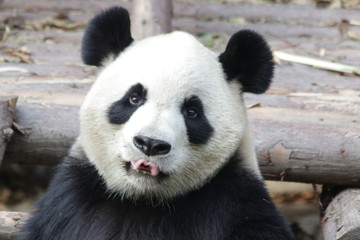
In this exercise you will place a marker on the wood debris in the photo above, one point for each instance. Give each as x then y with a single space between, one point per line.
52 23
353 35
355 4
345 29
328 3
13 69
7 109
9 23
15 22
317 63
257 105
60 21
22 55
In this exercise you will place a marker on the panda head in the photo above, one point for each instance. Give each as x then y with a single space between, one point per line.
166 113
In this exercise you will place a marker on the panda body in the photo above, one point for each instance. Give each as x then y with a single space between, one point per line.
164 150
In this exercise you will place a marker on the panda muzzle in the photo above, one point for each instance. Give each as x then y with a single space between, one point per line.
145 166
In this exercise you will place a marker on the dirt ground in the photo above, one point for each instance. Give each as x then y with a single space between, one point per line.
40 41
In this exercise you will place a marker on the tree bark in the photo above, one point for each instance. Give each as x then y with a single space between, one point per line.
10 224
151 17
319 148
7 109
307 146
342 216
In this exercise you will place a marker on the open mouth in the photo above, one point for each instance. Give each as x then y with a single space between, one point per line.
146 167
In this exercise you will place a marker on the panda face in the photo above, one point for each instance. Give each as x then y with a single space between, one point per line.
161 119
166 114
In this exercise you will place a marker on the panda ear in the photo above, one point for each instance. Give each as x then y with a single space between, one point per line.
248 59
106 35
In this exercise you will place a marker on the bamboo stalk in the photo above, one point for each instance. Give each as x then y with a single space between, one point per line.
317 63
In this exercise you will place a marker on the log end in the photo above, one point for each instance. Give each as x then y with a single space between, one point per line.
11 223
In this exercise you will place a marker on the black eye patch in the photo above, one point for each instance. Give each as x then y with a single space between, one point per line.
121 111
198 127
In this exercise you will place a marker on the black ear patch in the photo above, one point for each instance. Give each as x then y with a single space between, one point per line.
248 59
108 33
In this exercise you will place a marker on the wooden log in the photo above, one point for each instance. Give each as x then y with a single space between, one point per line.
151 17
298 29
289 148
10 224
77 5
267 30
49 125
307 146
342 216
7 109
204 10
257 12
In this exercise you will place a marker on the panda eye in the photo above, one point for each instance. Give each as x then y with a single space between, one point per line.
191 113
135 99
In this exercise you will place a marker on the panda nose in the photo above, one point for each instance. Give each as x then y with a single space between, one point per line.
151 146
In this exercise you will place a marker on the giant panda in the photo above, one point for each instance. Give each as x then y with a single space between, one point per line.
164 150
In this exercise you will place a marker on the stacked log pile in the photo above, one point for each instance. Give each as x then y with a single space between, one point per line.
306 126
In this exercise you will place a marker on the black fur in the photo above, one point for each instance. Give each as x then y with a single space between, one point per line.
121 111
248 59
233 205
198 127
107 34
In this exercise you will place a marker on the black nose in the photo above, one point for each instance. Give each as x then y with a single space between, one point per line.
151 146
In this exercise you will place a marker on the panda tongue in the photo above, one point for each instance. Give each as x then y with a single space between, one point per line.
144 165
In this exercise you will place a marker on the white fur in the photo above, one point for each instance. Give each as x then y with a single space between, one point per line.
172 67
